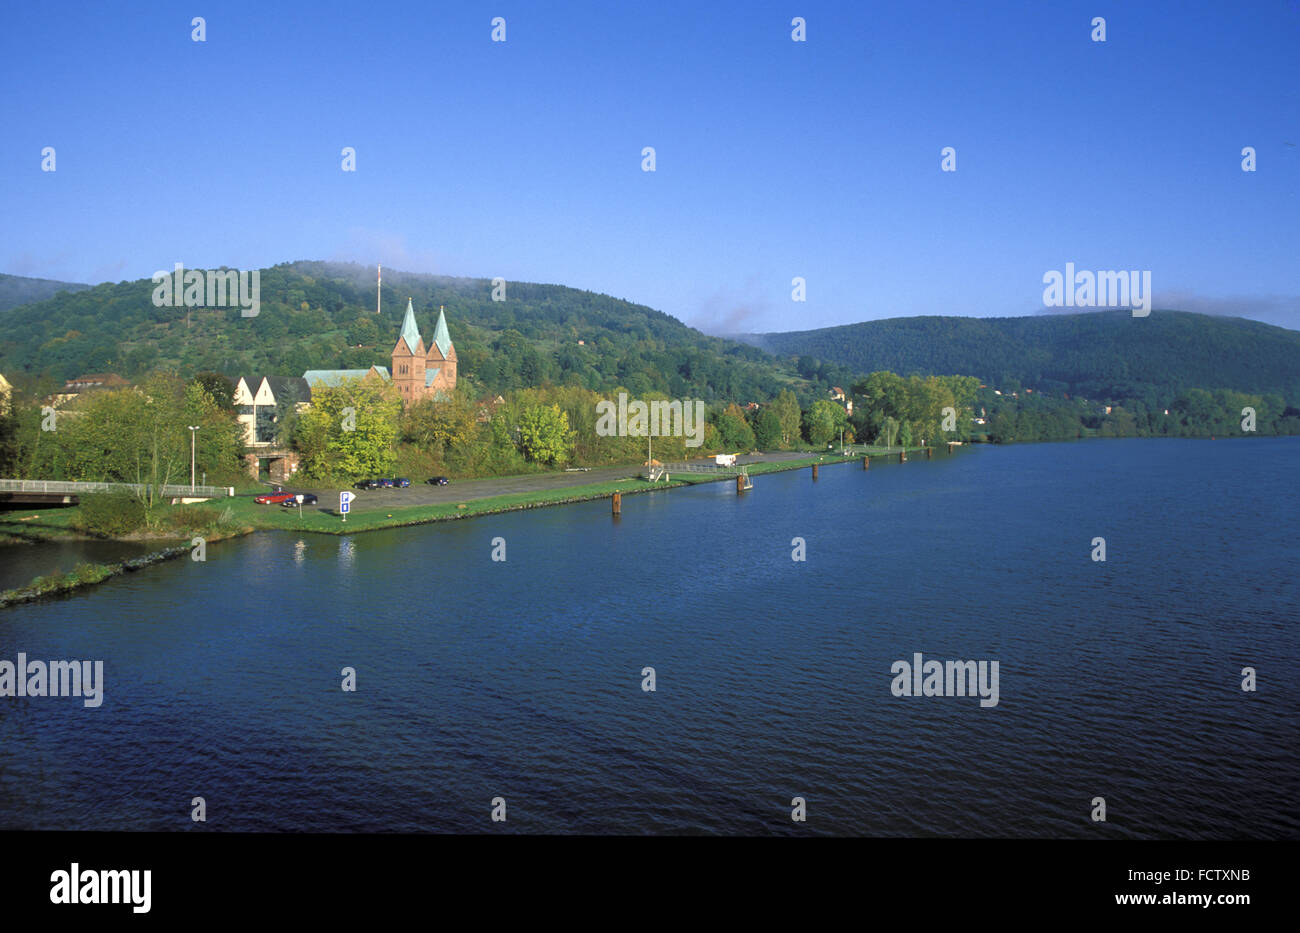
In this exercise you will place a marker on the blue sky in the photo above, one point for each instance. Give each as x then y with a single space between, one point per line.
775 159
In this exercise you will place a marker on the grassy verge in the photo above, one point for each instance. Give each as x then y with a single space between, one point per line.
39 524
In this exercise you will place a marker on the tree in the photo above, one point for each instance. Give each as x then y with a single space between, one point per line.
733 431
824 421
767 429
443 423
160 447
350 429
786 409
888 432
219 387
544 435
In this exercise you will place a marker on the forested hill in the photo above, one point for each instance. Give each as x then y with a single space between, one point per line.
18 290
313 316
1100 354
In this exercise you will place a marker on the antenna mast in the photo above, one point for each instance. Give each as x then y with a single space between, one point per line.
379 289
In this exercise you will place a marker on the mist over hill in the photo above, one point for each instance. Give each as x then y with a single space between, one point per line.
18 290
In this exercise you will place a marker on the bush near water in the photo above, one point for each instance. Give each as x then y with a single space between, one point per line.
111 514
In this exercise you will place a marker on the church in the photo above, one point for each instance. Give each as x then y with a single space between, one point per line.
417 371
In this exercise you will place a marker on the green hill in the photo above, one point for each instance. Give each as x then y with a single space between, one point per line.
1102 354
317 315
18 290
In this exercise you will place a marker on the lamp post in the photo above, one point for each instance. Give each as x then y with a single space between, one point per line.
193 428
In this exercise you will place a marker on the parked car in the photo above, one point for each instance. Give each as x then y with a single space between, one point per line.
368 484
401 482
386 483
272 498
307 499
437 481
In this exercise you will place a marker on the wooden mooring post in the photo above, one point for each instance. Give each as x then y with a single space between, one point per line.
740 483
866 463
617 504
929 453
814 466
902 456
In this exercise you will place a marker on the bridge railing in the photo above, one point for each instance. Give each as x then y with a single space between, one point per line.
657 472
704 468
67 488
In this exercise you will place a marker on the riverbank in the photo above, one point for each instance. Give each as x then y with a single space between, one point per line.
371 513
326 519
53 525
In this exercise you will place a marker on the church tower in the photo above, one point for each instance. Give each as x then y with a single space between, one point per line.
409 359
440 362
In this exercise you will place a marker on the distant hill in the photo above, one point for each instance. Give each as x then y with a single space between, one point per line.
18 290
314 314
1101 354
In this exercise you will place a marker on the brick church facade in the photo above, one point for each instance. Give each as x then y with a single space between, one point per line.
417 371
420 372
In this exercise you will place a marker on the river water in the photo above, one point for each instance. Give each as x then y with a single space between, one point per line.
522 679
21 563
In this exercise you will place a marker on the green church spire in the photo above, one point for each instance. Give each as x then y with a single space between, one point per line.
410 332
441 338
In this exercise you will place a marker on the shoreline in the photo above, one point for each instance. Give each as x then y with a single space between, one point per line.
83 576
329 522
86 575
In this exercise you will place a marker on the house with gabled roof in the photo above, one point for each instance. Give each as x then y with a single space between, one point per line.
258 403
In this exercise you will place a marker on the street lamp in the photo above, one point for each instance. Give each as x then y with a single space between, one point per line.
193 428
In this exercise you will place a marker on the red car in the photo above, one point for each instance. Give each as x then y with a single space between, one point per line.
273 498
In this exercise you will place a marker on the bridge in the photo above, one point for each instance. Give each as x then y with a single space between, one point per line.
47 492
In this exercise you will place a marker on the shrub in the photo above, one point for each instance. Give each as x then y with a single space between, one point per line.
111 514
191 518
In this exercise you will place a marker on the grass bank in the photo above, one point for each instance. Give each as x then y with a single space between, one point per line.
314 519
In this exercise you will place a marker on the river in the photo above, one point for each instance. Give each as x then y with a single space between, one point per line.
522 678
